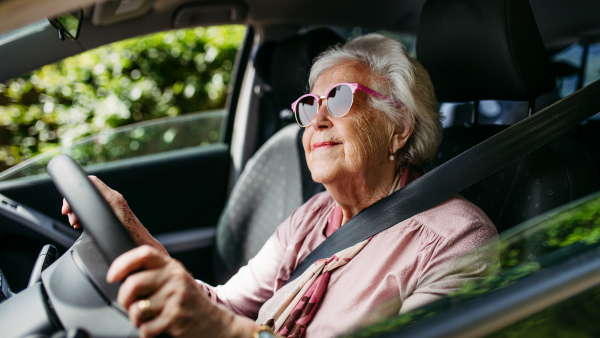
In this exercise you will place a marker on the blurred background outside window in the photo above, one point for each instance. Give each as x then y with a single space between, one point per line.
157 76
571 74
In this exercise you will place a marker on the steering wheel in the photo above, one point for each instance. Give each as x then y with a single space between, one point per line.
73 292
92 210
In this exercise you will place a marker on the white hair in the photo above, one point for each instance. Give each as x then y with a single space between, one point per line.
404 80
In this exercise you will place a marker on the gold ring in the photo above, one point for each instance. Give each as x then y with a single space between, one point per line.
144 306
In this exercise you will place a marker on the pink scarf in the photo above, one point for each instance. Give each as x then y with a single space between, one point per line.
292 310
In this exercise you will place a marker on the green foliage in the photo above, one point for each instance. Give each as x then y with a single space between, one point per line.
159 75
146 138
573 318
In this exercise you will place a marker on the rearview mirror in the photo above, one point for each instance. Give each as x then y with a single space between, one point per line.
68 25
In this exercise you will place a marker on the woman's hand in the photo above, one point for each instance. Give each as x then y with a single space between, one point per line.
121 209
177 303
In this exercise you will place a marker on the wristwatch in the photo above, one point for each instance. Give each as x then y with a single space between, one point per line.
264 332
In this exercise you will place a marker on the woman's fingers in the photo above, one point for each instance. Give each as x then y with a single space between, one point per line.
157 302
113 198
99 184
154 327
182 315
73 220
142 257
66 208
169 295
162 322
166 299
121 209
139 285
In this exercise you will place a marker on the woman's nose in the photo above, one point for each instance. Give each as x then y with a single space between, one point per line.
322 119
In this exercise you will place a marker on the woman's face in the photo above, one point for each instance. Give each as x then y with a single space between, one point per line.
356 145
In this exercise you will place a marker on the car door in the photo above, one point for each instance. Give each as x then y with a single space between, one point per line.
545 285
173 172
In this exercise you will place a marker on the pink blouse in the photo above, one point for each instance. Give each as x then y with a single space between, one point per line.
402 268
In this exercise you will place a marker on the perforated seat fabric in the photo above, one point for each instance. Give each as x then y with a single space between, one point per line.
554 175
266 193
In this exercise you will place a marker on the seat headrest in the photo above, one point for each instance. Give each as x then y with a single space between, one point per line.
483 50
285 65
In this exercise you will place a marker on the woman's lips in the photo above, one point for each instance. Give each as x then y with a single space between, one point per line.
324 145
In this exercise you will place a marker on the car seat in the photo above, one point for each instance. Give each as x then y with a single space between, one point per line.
492 50
588 134
276 180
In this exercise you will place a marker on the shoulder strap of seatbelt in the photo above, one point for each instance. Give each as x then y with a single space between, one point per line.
461 172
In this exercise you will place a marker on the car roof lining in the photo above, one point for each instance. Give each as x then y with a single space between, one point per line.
26 54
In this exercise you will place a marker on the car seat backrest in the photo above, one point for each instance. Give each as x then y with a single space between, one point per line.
483 50
555 174
285 65
493 51
276 180
266 193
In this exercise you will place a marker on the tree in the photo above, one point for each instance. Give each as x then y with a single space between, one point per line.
159 75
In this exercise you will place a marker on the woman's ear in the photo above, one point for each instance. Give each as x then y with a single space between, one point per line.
399 137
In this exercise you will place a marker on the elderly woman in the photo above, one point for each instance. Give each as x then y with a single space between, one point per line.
371 123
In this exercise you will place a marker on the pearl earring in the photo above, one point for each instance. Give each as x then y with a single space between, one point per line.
392 157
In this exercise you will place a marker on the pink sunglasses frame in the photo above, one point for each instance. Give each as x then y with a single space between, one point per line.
353 86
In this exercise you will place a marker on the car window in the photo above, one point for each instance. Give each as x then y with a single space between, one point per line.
511 112
571 55
574 55
575 317
592 67
145 138
524 250
156 76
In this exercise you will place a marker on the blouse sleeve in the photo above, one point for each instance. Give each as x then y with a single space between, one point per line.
451 262
254 283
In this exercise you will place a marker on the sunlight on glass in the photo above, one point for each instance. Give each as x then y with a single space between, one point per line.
545 241
144 138
169 135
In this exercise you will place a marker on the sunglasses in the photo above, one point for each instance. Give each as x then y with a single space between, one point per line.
338 101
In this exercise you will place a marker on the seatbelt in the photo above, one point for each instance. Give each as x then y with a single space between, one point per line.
461 172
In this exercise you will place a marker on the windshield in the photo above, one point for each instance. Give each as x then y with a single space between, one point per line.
24 31
134 140
540 243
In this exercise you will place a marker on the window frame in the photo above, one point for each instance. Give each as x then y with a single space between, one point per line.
238 73
516 302
575 273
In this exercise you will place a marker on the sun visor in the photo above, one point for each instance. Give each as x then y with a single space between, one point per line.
210 14
483 50
111 12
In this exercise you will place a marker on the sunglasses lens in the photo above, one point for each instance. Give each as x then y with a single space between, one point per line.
306 110
339 100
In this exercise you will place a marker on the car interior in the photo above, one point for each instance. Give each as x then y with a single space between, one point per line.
214 206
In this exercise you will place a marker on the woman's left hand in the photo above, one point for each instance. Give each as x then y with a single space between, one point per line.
178 306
